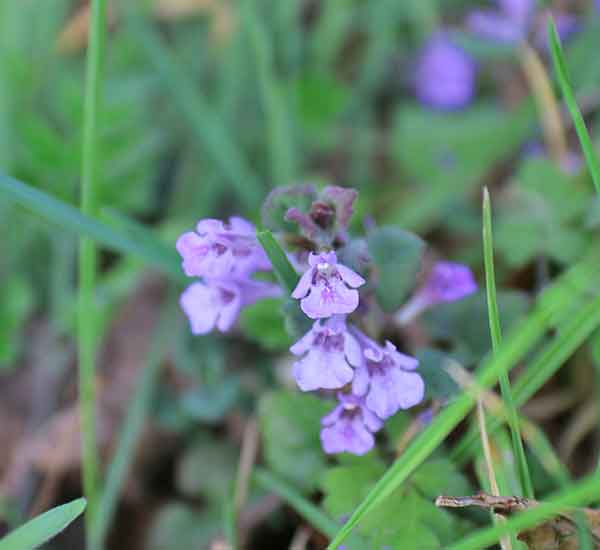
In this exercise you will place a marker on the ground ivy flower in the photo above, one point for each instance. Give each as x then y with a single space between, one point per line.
514 20
387 379
349 427
217 303
327 288
447 282
218 250
445 75
329 353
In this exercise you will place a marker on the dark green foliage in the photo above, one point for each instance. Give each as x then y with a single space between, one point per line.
290 425
396 256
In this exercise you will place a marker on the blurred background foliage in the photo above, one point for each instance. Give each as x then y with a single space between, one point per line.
208 106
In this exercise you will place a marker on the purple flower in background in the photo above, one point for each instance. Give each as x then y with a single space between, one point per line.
445 75
349 427
447 282
217 303
509 23
387 379
222 250
514 20
329 352
327 288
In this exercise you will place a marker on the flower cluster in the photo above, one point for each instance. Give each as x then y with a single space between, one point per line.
372 382
224 256
445 74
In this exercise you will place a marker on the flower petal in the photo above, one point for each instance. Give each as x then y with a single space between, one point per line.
350 277
303 285
198 304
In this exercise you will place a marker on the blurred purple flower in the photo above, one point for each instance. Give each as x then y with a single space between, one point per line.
447 282
217 303
445 75
222 250
329 352
327 288
509 23
514 20
349 427
387 379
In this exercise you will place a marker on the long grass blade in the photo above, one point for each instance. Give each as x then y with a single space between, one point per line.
149 248
284 270
496 335
42 528
554 300
87 265
562 74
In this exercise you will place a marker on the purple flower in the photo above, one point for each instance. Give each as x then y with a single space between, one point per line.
349 427
220 250
445 75
387 379
447 282
329 352
510 23
515 19
327 288
217 303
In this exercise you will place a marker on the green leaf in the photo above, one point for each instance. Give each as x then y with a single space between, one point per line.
345 486
70 218
465 323
284 270
562 74
206 469
438 382
450 161
397 257
440 476
191 529
42 528
264 323
290 424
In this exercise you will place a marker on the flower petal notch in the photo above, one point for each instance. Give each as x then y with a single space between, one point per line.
349 427
217 303
218 250
327 288
387 379
329 354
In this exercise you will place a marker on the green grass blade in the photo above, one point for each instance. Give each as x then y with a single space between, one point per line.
570 335
132 427
284 270
279 132
202 118
567 91
576 495
86 321
525 335
42 528
496 335
69 218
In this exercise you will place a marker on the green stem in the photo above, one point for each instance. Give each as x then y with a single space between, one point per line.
496 334
87 266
